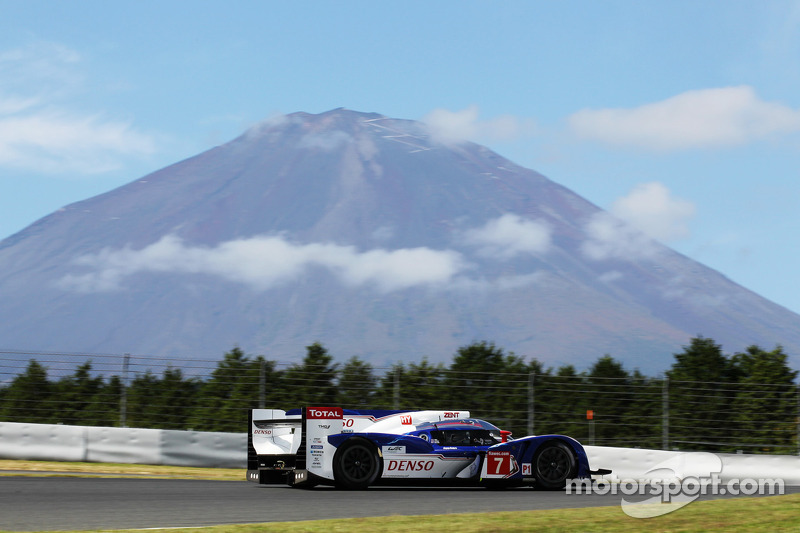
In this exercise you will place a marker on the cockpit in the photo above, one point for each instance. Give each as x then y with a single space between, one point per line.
461 432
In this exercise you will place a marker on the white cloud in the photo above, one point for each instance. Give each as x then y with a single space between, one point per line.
500 283
51 141
610 277
449 127
651 208
264 262
38 133
648 212
326 141
727 116
611 238
508 236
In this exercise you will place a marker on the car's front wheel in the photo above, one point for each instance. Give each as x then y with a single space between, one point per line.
553 465
356 464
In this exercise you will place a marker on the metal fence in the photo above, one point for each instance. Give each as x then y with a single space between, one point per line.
138 391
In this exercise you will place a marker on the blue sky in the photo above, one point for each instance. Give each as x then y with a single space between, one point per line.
681 117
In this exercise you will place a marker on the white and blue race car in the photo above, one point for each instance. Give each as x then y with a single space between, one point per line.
354 449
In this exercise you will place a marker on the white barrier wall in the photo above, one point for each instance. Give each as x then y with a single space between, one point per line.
194 448
635 463
47 442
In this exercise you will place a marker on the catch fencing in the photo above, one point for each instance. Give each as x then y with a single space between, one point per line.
202 395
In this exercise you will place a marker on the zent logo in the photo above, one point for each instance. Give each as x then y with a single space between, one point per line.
405 420
451 415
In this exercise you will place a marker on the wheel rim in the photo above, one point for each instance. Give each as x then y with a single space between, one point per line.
553 464
358 463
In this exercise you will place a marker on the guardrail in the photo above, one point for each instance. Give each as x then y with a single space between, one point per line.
49 442
637 463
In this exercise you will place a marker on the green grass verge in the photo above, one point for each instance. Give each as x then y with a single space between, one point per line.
56 468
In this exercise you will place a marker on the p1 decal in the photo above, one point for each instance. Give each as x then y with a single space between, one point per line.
526 469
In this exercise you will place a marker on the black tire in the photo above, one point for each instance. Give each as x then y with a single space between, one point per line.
356 465
553 464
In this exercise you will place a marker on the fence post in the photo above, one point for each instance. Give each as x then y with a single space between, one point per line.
123 400
397 388
531 407
262 384
665 413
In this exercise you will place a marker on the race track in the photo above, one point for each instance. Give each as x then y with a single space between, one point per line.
64 503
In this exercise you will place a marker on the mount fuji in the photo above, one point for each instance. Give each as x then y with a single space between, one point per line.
378 239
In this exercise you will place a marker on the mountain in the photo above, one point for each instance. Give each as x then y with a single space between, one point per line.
377 239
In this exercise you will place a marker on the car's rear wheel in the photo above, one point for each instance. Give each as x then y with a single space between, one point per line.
356 464
553 465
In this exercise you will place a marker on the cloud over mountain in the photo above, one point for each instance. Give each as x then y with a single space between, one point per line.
449 127
264 262
508 236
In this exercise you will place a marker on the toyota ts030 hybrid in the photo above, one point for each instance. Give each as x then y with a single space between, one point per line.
353 449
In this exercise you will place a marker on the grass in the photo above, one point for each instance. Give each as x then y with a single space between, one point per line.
776 513
57 468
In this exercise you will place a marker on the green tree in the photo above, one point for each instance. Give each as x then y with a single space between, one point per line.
473 377
81 399
766 400
233 389
312 382
421 386
29 397
700 396
490 384
355 388
643 419
162 403
561 403
390 393
608 397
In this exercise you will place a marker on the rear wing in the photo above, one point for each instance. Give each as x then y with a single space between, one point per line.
272 444
280 442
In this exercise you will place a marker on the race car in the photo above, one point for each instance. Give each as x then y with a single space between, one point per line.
353 449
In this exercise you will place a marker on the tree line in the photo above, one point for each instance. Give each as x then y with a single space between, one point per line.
707 400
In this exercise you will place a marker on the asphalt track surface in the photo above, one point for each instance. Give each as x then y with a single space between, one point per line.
69 503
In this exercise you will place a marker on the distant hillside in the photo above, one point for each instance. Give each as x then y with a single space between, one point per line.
362 232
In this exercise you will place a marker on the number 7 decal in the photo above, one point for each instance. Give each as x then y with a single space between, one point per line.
500 465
